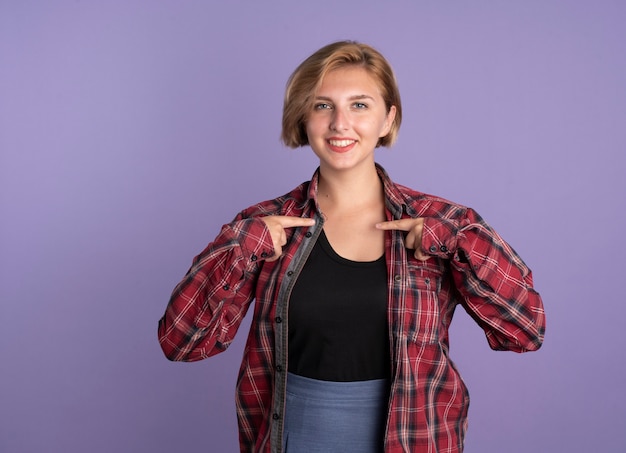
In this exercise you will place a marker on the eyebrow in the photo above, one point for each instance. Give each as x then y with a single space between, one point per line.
355 97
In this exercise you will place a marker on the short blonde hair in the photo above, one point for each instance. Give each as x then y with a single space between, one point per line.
307 78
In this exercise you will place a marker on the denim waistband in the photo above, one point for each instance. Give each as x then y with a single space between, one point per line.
304 387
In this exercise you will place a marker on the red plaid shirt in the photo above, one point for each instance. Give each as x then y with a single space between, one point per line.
469 264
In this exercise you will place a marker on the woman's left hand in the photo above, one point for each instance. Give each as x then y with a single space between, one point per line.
413 239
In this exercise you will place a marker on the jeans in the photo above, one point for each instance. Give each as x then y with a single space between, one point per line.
328 417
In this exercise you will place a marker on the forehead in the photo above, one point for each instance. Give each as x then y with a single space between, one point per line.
350 80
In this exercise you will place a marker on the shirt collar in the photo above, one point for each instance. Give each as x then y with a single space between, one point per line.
394 198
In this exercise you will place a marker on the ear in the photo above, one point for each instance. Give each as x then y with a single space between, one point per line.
391 115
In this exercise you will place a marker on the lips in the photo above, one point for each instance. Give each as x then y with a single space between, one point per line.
341 145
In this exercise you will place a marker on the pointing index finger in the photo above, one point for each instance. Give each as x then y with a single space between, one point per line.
291 221
402 224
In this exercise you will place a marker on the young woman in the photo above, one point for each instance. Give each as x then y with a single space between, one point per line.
355 279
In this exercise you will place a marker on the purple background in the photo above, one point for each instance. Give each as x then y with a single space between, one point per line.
131 131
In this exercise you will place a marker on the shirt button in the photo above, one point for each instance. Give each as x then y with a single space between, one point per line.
432 249
279 368
289 274
443 248
308 234
264 255
253 258
278 319
397 277
276 416
226 287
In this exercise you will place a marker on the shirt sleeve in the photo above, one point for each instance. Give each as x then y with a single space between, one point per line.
208 305
495 284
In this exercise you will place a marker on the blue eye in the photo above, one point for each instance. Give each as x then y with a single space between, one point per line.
360 105
322 106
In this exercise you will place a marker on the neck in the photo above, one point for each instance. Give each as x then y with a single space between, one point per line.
349 190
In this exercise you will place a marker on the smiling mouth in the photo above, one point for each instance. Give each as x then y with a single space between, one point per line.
341 143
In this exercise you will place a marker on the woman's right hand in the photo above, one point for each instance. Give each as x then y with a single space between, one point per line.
277 224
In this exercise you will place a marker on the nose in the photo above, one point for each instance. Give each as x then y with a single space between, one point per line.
339 120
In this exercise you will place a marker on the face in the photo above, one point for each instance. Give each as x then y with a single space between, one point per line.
348 117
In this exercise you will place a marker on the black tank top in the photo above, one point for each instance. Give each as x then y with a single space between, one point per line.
338 327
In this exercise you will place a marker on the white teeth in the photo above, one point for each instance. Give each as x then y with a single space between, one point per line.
341 143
